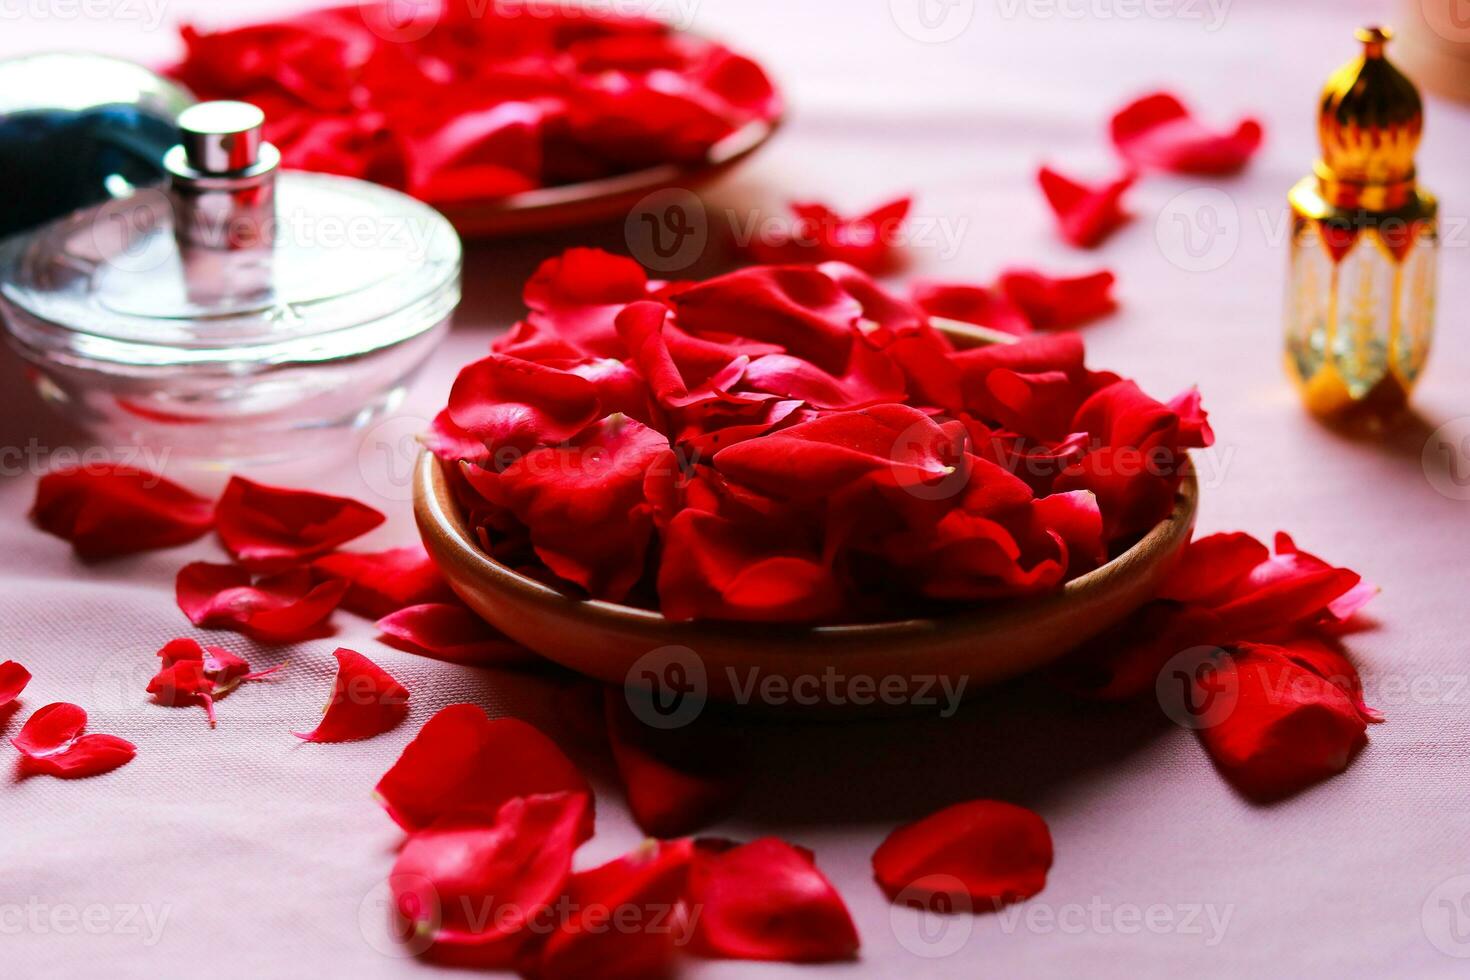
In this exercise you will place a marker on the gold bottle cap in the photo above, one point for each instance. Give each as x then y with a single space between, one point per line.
1369 124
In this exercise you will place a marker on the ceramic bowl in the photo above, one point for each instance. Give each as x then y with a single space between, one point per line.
614 643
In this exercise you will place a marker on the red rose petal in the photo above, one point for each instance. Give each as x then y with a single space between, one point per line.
893 445
52 742
449 631
624 917
462 760
481 884
1085 214
365 701
13 680
820 234
577 295
1058 303
1327 660
507 402
199 675
801 309
766 900
105 511
990 852
871 378
1288 727
641 328
384 582
1139 462
677 781
270 529
1213 565
1158 131
451 443
596 479
1291 560
969 303
714 568
280 608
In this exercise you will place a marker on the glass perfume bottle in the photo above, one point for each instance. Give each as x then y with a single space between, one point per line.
238 312
1364 246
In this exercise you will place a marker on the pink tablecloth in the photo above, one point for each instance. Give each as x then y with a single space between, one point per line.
241 853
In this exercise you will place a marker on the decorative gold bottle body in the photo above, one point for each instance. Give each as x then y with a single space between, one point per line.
1364 248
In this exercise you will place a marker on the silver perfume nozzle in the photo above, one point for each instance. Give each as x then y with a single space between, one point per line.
221 137
222 177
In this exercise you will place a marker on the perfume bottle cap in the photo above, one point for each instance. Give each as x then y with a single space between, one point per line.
1369 124
221 137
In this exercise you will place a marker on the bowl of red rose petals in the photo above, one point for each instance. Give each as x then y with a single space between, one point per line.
787 469
508 117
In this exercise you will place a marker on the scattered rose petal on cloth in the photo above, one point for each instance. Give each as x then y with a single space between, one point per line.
766 900
677 780
819 234
462 760
13 680
983 854
283 608
449 631
1287 726
110 510
51 742
1086 214
1158 131
481 883
272 529
1226 588
641 890
384 582
195 674
365 701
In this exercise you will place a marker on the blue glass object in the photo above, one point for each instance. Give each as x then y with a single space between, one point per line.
76 129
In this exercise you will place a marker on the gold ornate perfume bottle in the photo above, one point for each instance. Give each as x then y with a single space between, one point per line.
1364 246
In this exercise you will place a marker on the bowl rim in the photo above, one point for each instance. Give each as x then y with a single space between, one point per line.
436 506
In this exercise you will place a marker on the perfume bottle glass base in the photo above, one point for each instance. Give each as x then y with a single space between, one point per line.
280 348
